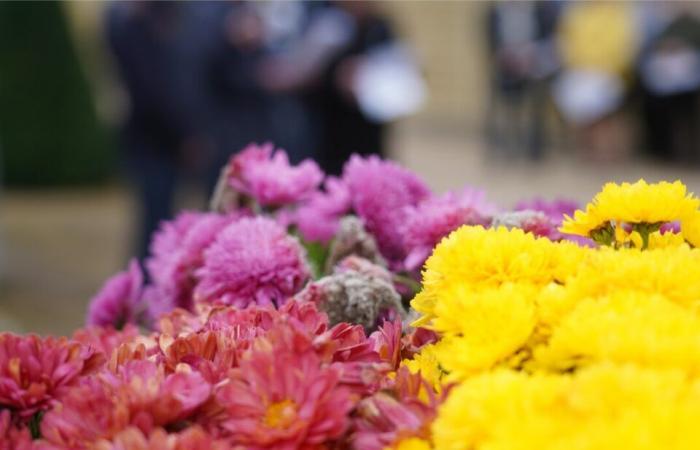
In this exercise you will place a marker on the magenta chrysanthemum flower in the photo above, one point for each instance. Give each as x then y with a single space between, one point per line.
252 261
119 300
319 217
264 174
381 191
433 219
33 371
283 398
177 252
554 209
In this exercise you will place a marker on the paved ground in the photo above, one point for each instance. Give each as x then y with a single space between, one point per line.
57 247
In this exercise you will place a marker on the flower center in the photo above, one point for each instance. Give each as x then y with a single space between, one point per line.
280 414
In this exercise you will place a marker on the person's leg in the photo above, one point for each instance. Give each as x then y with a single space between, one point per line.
155 177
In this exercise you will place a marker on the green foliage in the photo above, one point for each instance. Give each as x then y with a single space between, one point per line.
49 131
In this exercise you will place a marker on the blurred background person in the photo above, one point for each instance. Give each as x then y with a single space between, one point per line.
523 58
147 39
353 75
598 42
669 73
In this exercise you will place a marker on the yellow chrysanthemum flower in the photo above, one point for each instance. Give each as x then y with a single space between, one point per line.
426 362
583 223
641 202
603 407
690 229
625 327
513 256
412 443
482 328
633 203
672 272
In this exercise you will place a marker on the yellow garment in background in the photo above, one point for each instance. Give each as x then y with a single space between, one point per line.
598 36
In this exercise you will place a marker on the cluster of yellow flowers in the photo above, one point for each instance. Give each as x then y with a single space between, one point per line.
549 345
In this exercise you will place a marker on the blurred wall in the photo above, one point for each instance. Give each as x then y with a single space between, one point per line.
449 39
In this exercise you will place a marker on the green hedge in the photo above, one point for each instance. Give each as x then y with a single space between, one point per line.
49 131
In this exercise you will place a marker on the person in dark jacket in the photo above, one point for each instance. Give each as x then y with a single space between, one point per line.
146 41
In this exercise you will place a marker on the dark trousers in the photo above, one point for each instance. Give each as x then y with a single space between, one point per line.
154 176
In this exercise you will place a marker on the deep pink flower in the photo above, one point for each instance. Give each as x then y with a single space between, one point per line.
282 397
265 174
252 261
177 251
318 218
381 191
433 219
119 301
33 371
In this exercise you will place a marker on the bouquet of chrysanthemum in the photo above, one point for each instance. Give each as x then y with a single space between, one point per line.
549 345
276 321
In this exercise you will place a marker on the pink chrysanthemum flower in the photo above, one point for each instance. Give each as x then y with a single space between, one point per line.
252 261
319 217
105 339
265 174
387 342
381 191
192 438
139 394
433 219
283 398
177 252
12 437
33 371
119 301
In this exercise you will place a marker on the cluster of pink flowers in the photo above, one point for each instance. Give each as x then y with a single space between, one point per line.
275 321
255 377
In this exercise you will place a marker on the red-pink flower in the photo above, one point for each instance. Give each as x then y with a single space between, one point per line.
387 343
192 438
263 173
389 416
12 437
252 261
33 370
105 339
139 394
283 397
119 301
86 413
